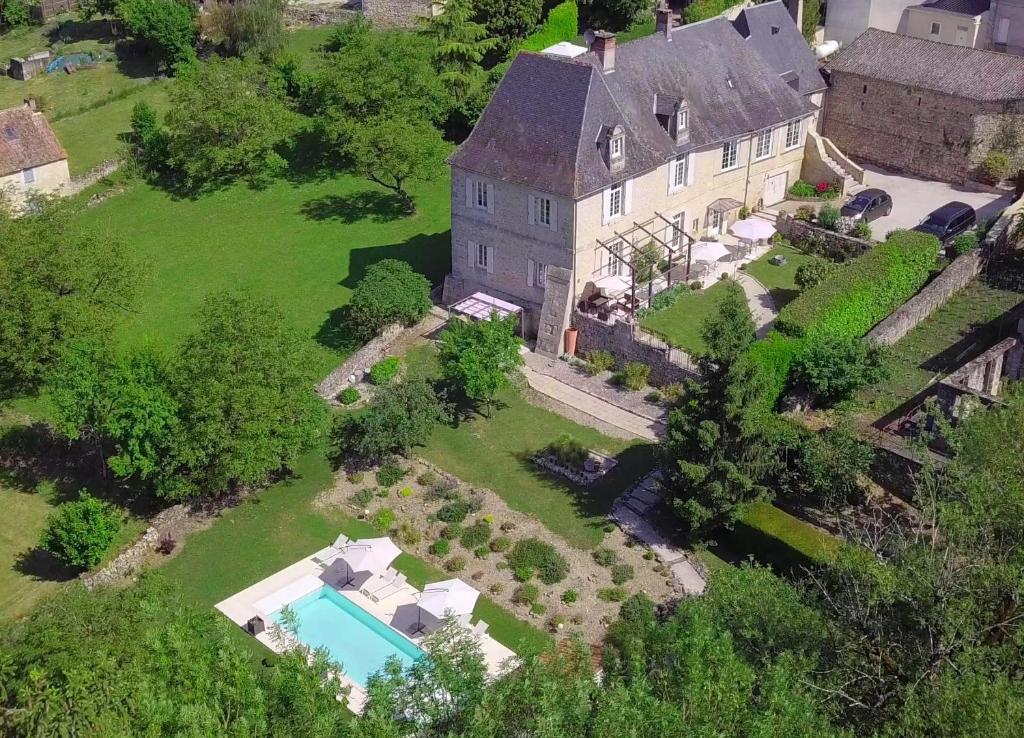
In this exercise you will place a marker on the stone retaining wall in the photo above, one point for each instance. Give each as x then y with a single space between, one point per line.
353 369
617 339
401 13
839 246
129 561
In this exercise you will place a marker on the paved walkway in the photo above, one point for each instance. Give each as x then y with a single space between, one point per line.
762 306
630 512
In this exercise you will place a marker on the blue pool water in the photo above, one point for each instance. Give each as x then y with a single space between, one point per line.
356 639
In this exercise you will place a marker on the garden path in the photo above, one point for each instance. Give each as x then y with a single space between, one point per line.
762 306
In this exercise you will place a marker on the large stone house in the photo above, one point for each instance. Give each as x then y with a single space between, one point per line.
577 161
930 109
31 157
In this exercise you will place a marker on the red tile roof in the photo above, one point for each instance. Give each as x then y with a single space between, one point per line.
26 140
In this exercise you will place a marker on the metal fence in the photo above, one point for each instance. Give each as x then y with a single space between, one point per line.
655 340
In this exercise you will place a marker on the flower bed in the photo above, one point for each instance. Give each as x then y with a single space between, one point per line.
595 466
801 191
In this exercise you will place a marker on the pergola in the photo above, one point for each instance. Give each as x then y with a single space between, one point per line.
658 230
481 306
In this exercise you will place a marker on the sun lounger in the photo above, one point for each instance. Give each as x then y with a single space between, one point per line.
396 585
341 540
377 583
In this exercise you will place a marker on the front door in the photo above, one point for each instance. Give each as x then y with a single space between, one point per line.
775 188
1003 31
961 36
715 223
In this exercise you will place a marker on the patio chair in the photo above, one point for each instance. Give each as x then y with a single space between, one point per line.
396 585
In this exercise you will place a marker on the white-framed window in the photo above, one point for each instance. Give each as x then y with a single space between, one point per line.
542 211
678 224
481 256
613 263
481 195
730 155
29 175
936 29
763 144
679 171
682 120
536 273
615 147
792 134
615 200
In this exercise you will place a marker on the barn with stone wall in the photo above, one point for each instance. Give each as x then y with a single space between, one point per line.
401 13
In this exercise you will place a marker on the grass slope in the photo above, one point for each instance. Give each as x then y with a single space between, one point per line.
680 324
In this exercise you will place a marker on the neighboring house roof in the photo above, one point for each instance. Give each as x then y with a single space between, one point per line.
961 7
26 141
770 29
544 125
974 74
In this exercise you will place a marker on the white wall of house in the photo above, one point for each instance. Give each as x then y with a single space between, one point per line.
949 28
1006 27
847 19
47 179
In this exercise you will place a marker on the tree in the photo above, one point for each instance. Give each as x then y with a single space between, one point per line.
478 357
243 382
149 137
80 533
390 292
834 368
401 416
228 118
615 15
827 467
60 282
510 21
460 46
390 152
166 26
14 13
811 19
246 27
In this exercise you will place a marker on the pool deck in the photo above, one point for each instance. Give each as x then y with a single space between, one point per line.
398 610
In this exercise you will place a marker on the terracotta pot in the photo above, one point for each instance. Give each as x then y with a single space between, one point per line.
571 335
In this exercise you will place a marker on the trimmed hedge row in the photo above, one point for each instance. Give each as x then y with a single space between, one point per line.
864 291
562 24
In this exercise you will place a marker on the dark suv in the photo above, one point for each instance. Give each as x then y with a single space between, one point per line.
949 221
868 205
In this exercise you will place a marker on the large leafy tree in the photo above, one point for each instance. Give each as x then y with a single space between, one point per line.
167 27
390 292
615 15
479 357
246 406
228 119
60 282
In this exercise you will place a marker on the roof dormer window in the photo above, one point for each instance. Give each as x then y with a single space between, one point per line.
615 148
682 121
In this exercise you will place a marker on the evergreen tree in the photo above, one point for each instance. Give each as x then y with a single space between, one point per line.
459 48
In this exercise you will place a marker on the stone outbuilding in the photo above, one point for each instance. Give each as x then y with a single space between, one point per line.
31 157
929 109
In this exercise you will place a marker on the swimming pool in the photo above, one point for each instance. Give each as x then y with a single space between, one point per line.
354 638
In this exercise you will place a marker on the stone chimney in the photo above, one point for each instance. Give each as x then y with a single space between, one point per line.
663 20
604 46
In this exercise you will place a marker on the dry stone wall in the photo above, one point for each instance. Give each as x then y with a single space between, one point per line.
838 246
359 363
617 339
402 13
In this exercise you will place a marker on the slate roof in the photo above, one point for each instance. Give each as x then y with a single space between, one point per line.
784 49
543 125
973 74
962 7
26 140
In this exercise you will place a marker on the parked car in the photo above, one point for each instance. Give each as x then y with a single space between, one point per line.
949 221
868 205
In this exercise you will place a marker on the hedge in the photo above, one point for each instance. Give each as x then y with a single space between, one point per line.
774 537
562 24
703 9
864 291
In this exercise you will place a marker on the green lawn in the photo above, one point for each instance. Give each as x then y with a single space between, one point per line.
304 243
775 537
279 526
780 280
680 324
495 451
971 322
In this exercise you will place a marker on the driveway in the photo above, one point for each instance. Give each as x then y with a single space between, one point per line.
914 198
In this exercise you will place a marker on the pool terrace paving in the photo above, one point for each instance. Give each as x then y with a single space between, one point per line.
307 575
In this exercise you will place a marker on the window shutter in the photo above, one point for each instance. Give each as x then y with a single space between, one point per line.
469 192
627 197
554 217
529 273
531 209
472 255
490 259
691 166
490 198
672 164
605 198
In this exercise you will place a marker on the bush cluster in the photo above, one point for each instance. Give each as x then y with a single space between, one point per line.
525 594
634 375
568 451
348 396
612 594
600 361
476 535
455 564
605 556
80 533
621 573
390 474
454 512
501 544
440 547
385 370
533 553
848 303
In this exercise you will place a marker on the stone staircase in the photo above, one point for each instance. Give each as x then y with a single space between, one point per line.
850 183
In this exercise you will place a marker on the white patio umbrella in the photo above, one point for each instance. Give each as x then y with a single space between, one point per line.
450 596
612 284
368 554
753 229
708 251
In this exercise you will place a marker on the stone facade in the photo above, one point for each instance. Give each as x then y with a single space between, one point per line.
618 339
922 132
401 13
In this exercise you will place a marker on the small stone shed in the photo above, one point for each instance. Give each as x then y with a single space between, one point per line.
402 13
925 108
25 68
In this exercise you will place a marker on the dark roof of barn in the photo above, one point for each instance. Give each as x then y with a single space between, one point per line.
770 29
26 141
955 70
543 125
961 7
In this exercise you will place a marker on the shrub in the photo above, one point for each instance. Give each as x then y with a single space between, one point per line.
813 273
489 519
668 298
608 527
621 573
427 479
612 594
481 552
605 556
965 243
833 367
497 588
454 512
446 487
507 527
805 213
672 393
853 299
653 396
996 166
440 548
538 608
569 596
634 375
649 555
523 573
364 496
385 370
348 396
525 594
556 622
405 492
166 544
389 475
862 230
550 565
383 519
476 535
600 361
828 217
802 189
568 451
501 544
451 531
409 534
80 533
355 477
455 564
391 292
